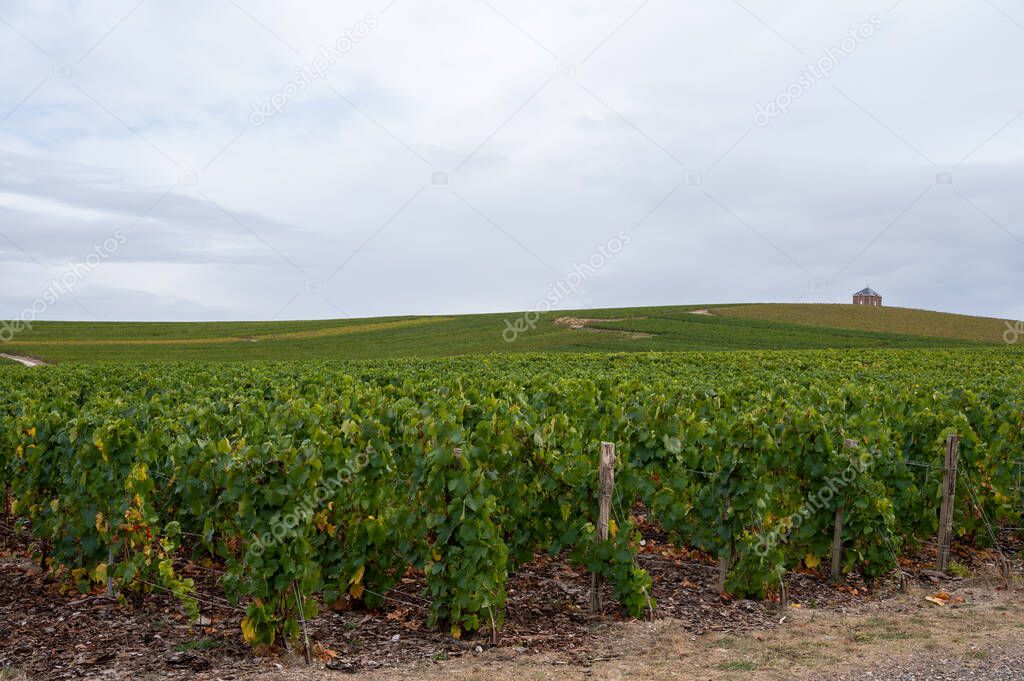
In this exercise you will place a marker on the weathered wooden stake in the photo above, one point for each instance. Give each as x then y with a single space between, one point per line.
837 534
302 619
948 496
726 556
110 569
724 562
606 471
837 543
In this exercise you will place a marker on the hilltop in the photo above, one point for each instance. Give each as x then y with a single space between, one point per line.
674 328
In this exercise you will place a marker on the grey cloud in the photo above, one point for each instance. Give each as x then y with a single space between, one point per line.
558 172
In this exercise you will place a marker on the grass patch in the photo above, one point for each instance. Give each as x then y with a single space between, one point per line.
872 636
198 644
879 629
959 569
12 674
790 653
737 666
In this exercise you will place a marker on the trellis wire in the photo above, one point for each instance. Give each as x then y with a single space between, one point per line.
617 499
198 599
981 510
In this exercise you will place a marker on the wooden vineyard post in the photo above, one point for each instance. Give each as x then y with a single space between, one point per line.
726 556
948 496
724 562
302 620
110 570
606 471
837 534
837 543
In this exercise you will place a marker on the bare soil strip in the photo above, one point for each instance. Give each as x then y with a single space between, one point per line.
828 632
27 361
584 324
883 640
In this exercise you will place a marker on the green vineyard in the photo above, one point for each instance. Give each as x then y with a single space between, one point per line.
315 483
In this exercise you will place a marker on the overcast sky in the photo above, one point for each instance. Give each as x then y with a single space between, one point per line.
210 159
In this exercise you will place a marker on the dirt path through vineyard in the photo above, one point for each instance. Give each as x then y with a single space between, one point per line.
903 638
26 361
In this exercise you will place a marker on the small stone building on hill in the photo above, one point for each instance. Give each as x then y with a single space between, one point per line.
867 296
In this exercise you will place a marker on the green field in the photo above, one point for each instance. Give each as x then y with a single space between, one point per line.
884 319
444 448
677 328
300 483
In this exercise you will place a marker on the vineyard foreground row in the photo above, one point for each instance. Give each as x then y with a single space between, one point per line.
324 482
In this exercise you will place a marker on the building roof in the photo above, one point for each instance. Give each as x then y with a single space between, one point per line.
868 292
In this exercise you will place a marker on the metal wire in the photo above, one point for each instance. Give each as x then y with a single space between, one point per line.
17 530
698 471
988 526
636 563
922 464
396 600
188 564
198 599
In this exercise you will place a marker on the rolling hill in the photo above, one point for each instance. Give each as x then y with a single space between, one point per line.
677 328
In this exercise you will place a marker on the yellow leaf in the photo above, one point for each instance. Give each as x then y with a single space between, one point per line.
325 654
812 561
32 431
456 632
356 590
101 525
358 576
613 528
99 573
248 630
139 473
320 520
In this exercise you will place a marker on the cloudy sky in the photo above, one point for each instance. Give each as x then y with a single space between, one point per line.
252 159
